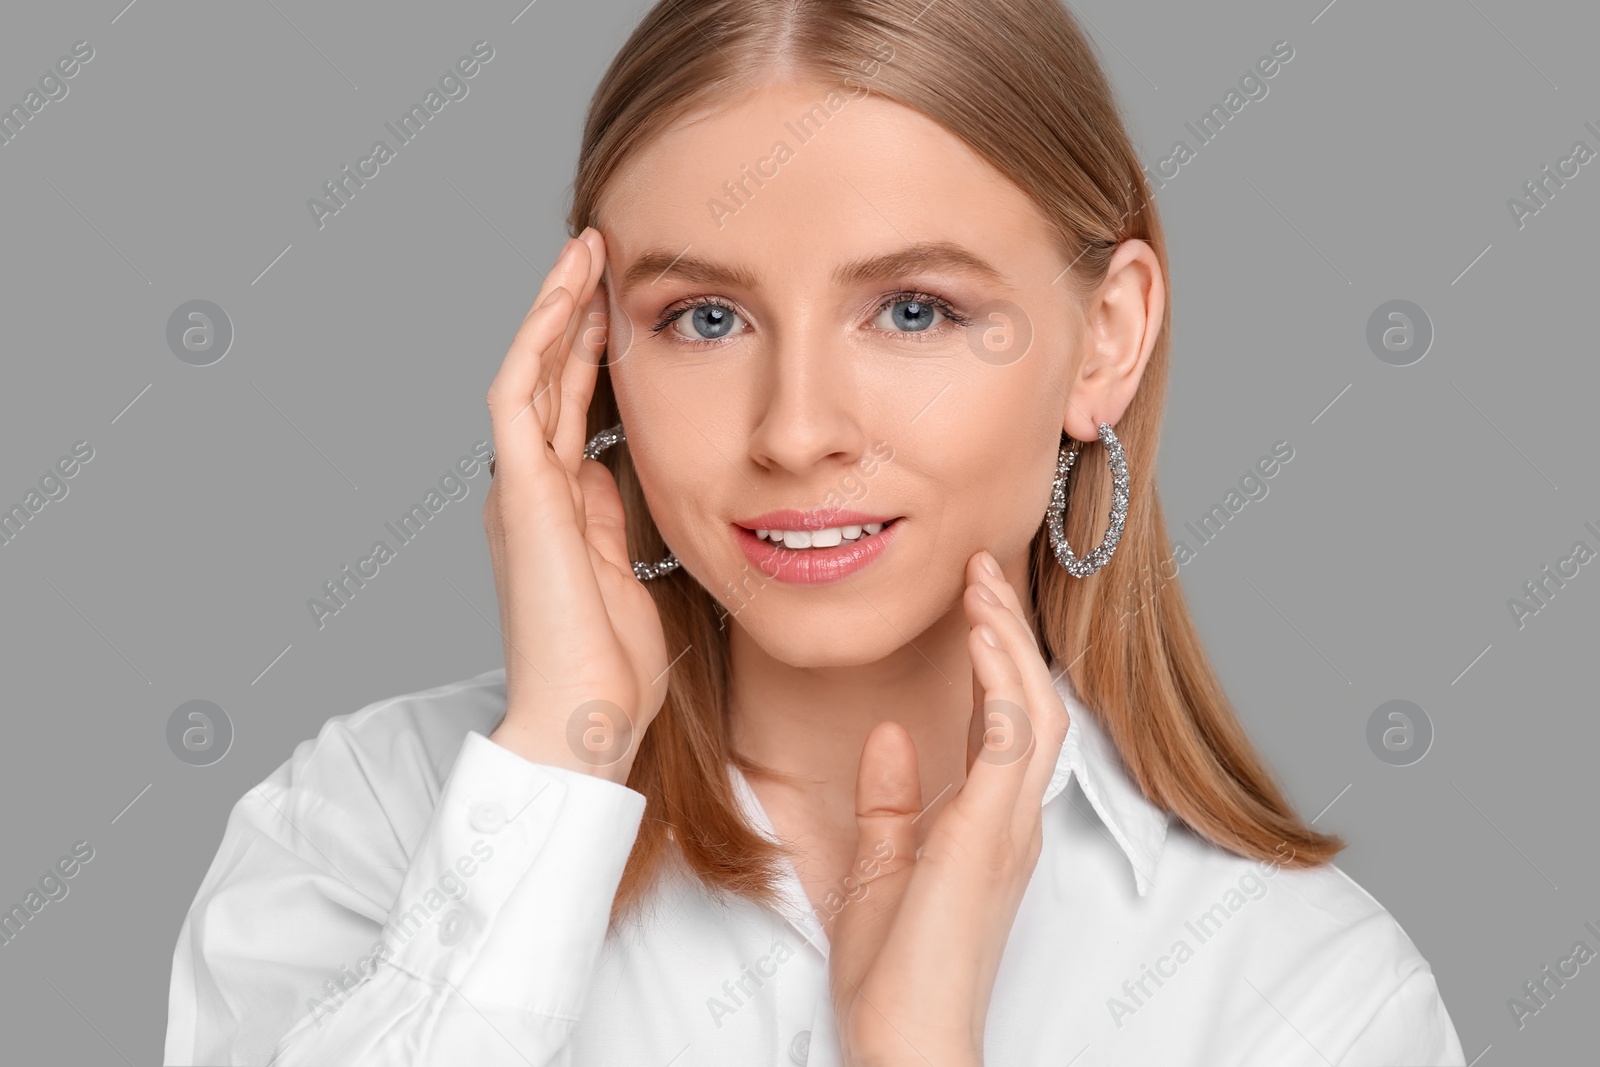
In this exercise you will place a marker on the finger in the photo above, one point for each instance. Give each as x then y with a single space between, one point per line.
561 273
1004 590
1047 715
996 773
521 369
567 273
578 381
604 523
1012 622
530 479
519 439
888 801
585 270
526 365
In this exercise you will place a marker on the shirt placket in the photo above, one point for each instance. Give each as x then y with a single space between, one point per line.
806 1033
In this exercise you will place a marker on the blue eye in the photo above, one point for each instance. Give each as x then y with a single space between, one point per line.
707 321
912 315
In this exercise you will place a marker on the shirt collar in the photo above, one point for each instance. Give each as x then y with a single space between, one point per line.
1137 826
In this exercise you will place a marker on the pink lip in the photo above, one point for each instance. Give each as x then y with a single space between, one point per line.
815 519
813 566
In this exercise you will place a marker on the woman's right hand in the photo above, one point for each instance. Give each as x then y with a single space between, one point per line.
586 659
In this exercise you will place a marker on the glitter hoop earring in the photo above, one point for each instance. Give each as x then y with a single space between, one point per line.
597 444
1082 568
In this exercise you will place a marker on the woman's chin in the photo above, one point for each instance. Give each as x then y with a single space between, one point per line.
805 643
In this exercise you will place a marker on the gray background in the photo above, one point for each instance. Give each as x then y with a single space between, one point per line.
219 499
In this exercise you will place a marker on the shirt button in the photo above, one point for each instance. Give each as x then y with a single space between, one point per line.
488 817
451 928
800 1047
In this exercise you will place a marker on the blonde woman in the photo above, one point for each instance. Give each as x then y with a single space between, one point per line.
849 712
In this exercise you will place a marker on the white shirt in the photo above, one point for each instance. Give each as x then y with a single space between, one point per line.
405 891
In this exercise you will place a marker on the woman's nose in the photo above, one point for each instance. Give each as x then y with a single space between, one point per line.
809 407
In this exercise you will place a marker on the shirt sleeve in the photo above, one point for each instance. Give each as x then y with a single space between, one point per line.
1411 1027
295 952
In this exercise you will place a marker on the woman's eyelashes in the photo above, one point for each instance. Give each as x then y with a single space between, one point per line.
705 321
915 313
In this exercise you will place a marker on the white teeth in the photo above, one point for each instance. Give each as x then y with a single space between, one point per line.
828 538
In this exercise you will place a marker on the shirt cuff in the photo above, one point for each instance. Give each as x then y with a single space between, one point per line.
508 896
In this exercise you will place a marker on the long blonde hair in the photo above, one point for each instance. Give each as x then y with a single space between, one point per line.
1018 82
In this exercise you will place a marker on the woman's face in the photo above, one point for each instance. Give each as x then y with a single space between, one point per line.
844 310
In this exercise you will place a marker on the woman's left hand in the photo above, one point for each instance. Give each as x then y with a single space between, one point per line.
913 959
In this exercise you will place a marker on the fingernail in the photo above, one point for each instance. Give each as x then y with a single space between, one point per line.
989 564
552 295
990 638
591 237
983 591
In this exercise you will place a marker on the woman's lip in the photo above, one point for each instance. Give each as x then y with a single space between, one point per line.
814 566
815 519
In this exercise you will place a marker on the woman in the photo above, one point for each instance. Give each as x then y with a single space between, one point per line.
860 279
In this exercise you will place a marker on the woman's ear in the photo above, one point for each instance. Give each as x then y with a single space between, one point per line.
1122 319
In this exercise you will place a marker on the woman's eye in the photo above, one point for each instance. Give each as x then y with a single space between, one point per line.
908 315
705 322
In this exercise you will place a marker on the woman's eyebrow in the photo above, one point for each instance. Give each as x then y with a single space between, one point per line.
922 256
657 263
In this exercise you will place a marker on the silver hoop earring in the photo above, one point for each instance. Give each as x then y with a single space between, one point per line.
1082 568
597 444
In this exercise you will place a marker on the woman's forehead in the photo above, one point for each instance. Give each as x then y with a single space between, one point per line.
765 182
